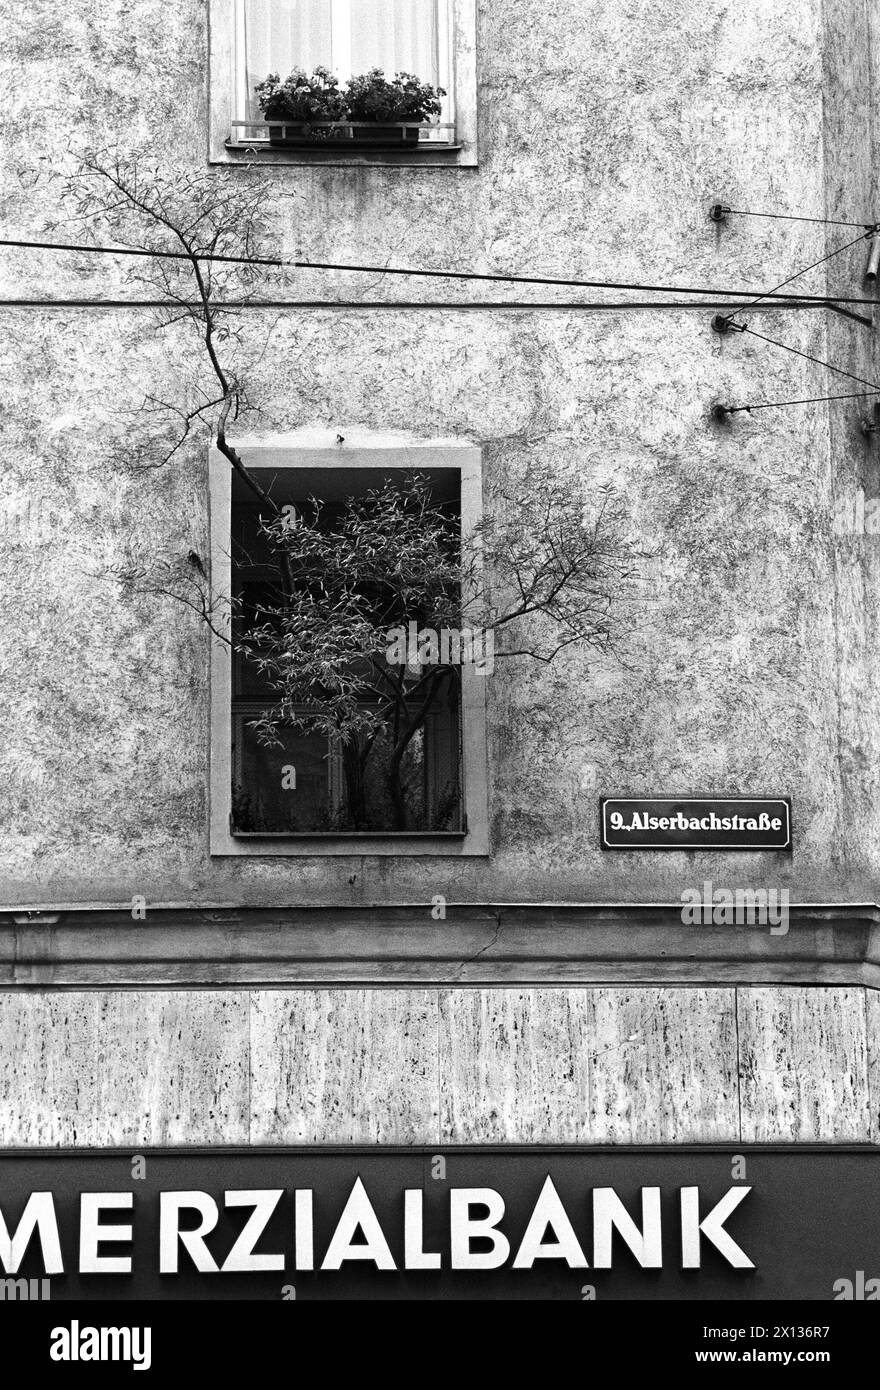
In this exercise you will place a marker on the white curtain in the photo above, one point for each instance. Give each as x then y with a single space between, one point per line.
346 36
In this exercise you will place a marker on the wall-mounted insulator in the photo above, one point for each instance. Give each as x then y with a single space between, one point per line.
721 324
871 423
721 413
873 267
718 212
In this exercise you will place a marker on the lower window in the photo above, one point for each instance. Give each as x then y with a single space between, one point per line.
341 722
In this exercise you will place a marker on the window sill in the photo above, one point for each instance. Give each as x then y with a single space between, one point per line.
429 154
431 843
348 834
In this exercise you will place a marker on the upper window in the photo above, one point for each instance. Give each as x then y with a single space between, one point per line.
300 81
349 38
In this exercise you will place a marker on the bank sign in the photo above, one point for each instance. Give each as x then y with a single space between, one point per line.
582 1224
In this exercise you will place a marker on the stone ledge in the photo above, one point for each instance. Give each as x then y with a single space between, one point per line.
478 944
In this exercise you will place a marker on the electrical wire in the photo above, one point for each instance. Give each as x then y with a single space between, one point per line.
774 342
142 251
744 328
790 217
592 284
428 305
798 273
454 274
804 301
800 301
804 400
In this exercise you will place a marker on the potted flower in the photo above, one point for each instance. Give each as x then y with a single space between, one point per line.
384 105
306 103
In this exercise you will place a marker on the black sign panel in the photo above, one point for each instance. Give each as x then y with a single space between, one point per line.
610 1223
703 822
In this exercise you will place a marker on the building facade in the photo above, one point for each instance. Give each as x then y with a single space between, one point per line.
166 982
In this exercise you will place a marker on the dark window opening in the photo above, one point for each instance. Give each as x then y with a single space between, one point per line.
407 777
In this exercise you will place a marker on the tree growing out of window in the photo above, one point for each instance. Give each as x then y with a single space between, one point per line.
356 636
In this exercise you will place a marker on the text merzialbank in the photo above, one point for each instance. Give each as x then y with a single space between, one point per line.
474 1218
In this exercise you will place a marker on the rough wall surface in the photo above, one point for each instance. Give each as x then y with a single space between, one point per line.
414 1066
752 670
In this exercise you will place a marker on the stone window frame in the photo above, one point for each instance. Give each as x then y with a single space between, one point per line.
221 104
372 454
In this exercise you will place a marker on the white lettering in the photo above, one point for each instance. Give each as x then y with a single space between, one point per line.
464 1228
712 1227
609 1214
357 1214
91 1232
241 1258
171 1204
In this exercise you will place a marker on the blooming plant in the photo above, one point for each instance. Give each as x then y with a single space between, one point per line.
371 97
302 97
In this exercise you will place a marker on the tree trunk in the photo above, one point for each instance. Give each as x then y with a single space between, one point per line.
353 762
395 790
414 723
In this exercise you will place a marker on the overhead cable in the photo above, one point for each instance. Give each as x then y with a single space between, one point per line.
803 400
786 347
793 217
277 262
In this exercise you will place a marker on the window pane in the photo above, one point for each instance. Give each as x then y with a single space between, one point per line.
256 601
285 34
302 785
346 36
397 35
418 790
286 788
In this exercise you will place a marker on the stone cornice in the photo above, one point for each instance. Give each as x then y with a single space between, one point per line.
476 944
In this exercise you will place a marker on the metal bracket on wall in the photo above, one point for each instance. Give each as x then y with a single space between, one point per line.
723 323
873 267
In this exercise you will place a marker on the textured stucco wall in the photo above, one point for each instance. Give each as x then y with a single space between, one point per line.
851 192
408 1066
752 670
